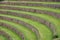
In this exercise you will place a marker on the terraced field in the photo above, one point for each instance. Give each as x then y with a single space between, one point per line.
29 20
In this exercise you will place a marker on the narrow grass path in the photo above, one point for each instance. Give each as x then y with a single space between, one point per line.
44 35
35 2
45 2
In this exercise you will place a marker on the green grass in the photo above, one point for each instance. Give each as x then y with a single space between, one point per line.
44 31
44 35
10 33
36 2
2 37
24 30
45 2
38 8
51 19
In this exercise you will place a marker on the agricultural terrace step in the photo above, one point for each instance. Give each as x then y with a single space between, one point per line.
32 4
22 23
13 29
57 15
39 8
48 24
5 34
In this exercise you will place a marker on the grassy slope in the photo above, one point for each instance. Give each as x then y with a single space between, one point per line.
38 8
51 19
39 26
2 37
36 24
9 32
36 2
23 29
45 2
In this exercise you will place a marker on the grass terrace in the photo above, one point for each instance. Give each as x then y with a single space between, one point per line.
29 22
